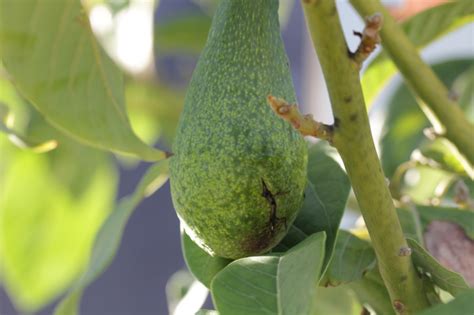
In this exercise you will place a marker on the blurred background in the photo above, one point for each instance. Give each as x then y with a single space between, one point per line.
52 204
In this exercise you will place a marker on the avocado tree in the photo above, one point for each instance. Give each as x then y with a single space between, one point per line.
259 206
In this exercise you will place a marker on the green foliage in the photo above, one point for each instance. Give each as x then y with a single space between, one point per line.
56 62
422 29
442 277
108 239
336 301
463 304
271 284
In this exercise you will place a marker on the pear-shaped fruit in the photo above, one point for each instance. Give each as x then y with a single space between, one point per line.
238 170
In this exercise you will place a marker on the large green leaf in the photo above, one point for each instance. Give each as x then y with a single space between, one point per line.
325 198
110 234
52 56
446 279
202 265
352 258
48 221
283 285
463 304
422 29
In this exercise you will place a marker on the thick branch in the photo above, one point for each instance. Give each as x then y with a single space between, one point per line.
445 115
305 124
353 139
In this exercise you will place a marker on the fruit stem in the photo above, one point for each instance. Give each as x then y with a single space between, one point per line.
352 137
445 114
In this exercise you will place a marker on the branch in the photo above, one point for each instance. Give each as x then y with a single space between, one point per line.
445 114
306 125
353 139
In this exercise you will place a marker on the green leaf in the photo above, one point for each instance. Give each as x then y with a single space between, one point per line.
283 285
422 29
352 258
202 265
411 224
47 225
446 279
108 239
52 56
371 290
336 301
462 217
207 312
325 198
463 304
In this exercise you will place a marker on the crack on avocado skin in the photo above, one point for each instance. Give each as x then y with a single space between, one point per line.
270 197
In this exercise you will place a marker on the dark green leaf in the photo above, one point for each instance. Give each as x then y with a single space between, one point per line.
202 265
352 258
444 278
463 304
325 198
283 285
55 61
422 29
110 234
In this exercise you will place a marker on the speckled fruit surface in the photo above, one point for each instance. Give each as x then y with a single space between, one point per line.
238 171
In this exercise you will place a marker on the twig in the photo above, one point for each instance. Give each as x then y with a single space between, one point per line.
353 139
369 38
305 124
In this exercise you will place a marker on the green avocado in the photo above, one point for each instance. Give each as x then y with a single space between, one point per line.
238 171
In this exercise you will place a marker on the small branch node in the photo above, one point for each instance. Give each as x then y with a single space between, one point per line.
399 306
404 251
369 38
305 124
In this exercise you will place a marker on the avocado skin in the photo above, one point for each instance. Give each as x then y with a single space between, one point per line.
232 155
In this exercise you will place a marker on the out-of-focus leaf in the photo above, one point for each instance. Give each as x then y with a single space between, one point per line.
157 106
203 266
184 34
108 239
463 304
371 290
184 294
405 121
207 312
352 258
271 284
325 198
336 301
411 223
47 225
444 278
55 61
421 29
462 217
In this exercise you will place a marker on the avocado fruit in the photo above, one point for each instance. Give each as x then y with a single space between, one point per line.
238 171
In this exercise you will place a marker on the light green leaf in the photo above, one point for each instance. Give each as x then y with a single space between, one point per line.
325 198
202 265
446 279
47 224
283 285
463 304
110 234
336 301
422 29
411 224
50 52
207 312
352 258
